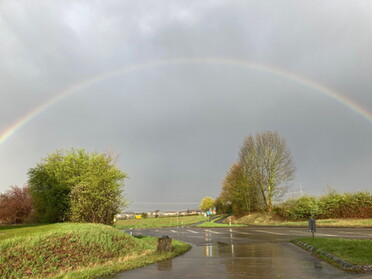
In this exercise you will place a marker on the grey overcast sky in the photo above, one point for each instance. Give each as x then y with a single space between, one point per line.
178 127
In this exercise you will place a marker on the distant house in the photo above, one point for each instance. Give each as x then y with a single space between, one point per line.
158 213
126 215
170 213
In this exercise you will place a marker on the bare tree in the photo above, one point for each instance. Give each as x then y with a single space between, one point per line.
15 205
267 165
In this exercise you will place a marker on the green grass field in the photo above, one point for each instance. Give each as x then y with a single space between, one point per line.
333 223
355 251
24 230
69 250
159 222
266 219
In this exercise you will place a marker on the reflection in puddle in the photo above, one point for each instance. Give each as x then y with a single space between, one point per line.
209 251
164 265
256 259
261 260
220 260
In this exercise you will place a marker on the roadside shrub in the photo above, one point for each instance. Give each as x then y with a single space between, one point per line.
15 205
75 185
331 205
347 205
299 209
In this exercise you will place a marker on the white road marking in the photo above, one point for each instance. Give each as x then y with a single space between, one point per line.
173 231
356 233
324 234
270 232
300 232
192 231
240 232
213 232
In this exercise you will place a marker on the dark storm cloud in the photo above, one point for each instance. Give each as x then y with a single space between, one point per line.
179 127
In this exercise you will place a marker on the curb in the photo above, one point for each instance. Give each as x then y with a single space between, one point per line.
333 259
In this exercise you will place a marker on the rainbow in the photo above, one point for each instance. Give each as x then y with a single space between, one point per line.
17 125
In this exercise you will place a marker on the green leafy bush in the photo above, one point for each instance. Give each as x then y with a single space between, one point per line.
299 209
75 185
332 205
347 205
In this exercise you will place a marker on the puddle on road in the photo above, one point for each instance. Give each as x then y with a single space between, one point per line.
249 260
165 265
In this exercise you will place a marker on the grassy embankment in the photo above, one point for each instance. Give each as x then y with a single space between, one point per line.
265 219
74 251
354 251
144 223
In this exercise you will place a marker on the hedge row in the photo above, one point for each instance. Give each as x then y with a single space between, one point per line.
332 205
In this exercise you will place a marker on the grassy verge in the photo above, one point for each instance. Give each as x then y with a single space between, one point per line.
75 251
266 219
159 222
348 254
354 251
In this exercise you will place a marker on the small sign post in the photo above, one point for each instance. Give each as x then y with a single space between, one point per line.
164 244
312 226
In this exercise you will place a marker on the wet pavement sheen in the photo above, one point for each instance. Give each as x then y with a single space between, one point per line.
224 253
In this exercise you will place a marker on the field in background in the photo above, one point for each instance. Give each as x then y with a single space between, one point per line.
159 222
10 231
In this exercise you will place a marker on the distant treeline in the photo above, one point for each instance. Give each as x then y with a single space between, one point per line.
332 205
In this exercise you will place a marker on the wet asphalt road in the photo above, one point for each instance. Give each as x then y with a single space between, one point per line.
253 252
